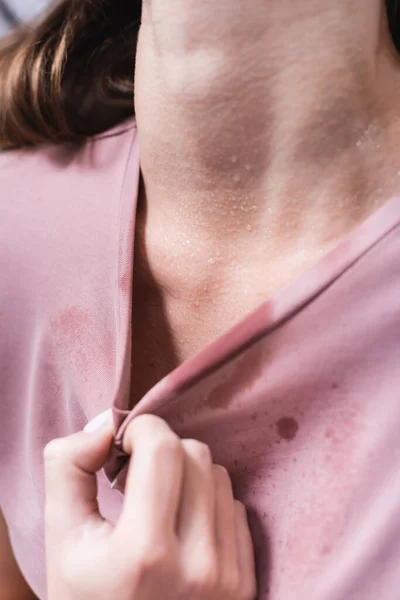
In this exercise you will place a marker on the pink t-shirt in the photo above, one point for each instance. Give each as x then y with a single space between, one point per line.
300 401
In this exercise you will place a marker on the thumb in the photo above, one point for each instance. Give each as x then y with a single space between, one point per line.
70 466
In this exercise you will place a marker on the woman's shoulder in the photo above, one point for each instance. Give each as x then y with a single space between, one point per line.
59 203
45 180
31 165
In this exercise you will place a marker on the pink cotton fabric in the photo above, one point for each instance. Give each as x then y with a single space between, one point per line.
300 401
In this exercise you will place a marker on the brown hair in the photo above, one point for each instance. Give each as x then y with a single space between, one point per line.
71 75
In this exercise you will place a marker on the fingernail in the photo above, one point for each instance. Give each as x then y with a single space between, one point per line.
102 421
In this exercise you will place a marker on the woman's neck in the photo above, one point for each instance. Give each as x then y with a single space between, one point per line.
277 118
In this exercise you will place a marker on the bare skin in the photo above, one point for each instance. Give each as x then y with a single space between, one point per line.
181 535
268 131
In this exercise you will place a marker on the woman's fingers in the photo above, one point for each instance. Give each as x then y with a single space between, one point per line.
180 530
70 465
245 554
196 524
225 525
154 480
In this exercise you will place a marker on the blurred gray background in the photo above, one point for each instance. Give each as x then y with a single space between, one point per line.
13 12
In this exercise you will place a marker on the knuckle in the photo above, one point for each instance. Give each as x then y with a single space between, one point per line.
166 446
223 485
221 475
240 510
152 433
222 471
204 578
145 420
152 558
145 427
199 450
138 424
54 450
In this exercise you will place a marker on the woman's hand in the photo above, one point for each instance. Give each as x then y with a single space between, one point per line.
181 534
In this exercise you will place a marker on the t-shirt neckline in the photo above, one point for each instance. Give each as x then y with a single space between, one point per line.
279 308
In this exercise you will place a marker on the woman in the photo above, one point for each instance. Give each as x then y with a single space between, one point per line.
269 136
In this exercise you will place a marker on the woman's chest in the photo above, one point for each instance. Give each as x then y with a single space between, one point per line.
167 332
305 420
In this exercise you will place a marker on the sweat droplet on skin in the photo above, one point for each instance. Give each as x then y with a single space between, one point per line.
249 227
211 261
